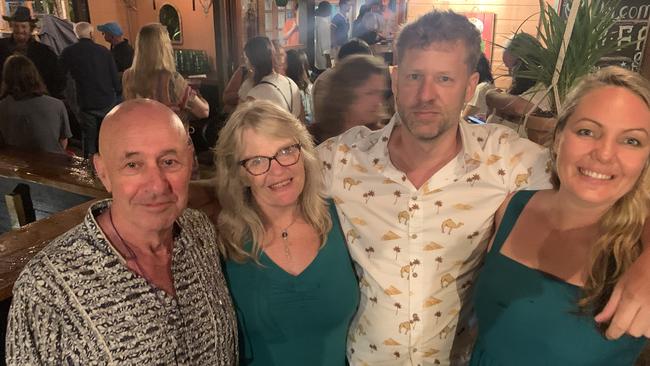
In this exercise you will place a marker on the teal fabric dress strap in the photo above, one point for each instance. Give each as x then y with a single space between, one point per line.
516 205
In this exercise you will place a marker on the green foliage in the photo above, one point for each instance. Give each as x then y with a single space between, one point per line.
589 42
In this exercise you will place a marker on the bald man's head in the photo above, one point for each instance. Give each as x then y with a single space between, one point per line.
145 161
134 114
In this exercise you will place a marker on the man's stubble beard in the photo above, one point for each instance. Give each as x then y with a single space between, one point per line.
443 126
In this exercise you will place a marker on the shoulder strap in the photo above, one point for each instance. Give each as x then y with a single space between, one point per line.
280 91
290 93
514 209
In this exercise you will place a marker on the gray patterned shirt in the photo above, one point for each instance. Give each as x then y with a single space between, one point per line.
76 303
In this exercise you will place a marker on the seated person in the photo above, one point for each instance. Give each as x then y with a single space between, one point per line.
139 280
509 108
477 107
558 253
29 118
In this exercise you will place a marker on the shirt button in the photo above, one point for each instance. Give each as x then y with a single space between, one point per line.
414 198
414 236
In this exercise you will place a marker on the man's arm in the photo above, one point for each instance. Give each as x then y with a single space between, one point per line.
507 105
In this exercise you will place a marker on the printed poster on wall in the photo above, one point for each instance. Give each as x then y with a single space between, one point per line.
484 22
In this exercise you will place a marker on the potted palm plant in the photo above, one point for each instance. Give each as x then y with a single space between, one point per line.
570 48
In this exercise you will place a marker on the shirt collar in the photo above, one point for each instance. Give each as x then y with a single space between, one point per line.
102 243
469 157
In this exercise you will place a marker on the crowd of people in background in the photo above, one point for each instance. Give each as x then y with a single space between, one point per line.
39 103
357 213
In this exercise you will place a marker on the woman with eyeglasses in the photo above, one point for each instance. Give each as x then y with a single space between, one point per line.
287 263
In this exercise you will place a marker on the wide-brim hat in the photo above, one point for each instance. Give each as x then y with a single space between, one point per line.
21 14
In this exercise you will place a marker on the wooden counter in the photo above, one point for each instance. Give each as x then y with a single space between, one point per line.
17 247
60 171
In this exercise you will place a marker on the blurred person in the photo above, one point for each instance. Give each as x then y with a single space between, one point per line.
122 51
268 84
153 75
98 86
389 14
231 94
139 281
477 106
359 29
22 42
279 58
241 81
373 22
297 70
354 96
29 118
340 26
291 29
558 253
282 240
322 37
509 108
352 47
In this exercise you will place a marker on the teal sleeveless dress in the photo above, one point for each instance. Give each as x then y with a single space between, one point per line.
287 320
528 317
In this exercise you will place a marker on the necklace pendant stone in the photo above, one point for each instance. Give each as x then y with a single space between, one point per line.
285 234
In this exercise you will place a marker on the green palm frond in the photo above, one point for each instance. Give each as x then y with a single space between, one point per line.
590 41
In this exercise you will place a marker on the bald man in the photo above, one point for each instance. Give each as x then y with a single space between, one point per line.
139 280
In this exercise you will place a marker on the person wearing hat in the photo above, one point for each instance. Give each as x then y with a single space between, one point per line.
23 42
120 47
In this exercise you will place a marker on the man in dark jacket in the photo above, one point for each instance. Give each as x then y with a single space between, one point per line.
22 41
120 47
97 84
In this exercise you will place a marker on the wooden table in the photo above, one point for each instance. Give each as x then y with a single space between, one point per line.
17 247
384 51
60 171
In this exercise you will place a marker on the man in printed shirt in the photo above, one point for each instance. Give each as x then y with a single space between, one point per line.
417 199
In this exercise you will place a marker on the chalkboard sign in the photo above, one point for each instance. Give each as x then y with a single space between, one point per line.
631 26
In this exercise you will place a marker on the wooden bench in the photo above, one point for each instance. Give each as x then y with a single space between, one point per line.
17 247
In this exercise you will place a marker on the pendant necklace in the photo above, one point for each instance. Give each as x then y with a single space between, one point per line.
285 239
126 246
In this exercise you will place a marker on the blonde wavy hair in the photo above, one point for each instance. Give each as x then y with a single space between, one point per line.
621 226
153 55
240 220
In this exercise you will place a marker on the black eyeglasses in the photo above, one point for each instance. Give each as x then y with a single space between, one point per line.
258 165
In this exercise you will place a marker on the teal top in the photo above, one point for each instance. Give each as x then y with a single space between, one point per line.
528 317
296 320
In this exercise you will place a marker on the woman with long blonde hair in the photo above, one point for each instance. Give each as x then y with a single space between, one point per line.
153 75
558 253
287 263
